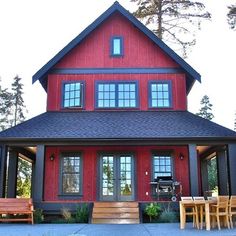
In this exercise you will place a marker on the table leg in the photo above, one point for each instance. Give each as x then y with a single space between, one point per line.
207 216
182 216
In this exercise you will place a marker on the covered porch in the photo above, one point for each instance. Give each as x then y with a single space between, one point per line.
198 156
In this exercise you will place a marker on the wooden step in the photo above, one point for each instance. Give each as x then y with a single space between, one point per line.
115 221
115 210
115 213
116 204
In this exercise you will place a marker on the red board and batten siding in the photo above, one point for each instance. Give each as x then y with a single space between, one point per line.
142 157
94 52
54 102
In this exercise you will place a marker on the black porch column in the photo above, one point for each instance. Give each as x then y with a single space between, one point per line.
232 168
12 173
193 170
39 174
3 160
222 172
204 172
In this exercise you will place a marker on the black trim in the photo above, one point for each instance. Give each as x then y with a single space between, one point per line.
3 164
193 170
121 54
38 184
131 70
116 84
12 173
82 94
71 195
170 92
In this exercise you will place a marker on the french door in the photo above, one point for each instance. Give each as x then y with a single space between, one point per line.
117 177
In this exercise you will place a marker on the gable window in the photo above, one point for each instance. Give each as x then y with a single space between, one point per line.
72 96
160 94
116 95
162 165
71 177
117 46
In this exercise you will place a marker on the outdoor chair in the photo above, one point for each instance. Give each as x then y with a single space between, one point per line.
220 210
200 209
190 210
232 209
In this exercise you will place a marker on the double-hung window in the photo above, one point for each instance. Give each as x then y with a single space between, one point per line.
160 94
71 176
162 165
72 94
116 95
117 46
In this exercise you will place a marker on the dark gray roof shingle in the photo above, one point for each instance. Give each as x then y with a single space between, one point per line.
117 125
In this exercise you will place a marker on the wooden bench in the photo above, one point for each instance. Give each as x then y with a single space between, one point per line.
17 207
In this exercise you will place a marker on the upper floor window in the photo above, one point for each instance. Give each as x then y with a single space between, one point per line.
71 173
117 46
160 94
117 95
72 96
162 165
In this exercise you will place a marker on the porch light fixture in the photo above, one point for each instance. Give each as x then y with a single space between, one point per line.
181 156
52 157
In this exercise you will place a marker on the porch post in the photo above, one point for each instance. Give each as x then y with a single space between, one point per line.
3 157
39 174
193 169
12 173
204 173
222 172
231 168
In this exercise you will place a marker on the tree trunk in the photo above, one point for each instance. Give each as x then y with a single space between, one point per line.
159 7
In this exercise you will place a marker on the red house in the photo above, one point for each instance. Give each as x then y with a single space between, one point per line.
116 121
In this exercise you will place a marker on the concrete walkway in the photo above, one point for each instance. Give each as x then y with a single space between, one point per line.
107 230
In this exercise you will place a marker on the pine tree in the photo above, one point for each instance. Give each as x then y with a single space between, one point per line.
206 109
24 174
231 16
5 108
18 102
173 21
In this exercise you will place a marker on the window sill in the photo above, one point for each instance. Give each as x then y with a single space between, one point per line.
70 196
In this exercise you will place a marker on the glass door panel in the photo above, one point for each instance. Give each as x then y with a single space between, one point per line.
108 185
117 178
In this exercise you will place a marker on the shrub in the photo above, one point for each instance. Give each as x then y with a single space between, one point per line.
38 216
67 215
152 210
82 213
168 215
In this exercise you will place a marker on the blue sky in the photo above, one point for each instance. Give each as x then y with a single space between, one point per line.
32 32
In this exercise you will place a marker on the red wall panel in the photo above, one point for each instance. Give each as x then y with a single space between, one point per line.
142 157
94 50
54 100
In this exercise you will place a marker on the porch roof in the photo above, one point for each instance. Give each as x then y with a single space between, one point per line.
112 125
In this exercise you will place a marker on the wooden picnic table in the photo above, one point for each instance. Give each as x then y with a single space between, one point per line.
205 203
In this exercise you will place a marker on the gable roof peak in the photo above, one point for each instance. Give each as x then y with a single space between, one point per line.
191 74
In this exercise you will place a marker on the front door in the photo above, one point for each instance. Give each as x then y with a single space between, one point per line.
117 177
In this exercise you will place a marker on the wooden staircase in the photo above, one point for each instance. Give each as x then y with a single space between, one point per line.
115 213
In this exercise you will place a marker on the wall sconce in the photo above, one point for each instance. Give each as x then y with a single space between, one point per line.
181 156
52 157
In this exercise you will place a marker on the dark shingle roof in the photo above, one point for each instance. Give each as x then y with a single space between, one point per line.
117 125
